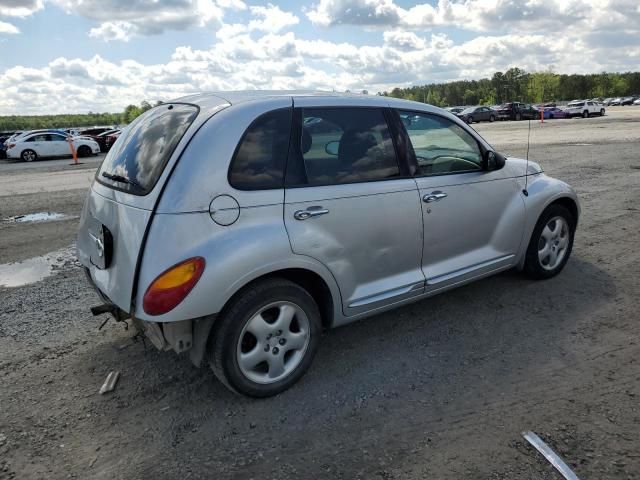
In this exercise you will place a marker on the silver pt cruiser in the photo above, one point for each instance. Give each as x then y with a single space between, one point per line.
237 226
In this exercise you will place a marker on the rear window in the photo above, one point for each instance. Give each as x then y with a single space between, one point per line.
137 159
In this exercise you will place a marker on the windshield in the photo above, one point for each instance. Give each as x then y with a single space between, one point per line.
469 110
140 154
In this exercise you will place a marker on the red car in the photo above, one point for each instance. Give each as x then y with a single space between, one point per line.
110 139
99 135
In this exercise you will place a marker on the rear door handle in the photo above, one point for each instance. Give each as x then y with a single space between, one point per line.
310 212
434 197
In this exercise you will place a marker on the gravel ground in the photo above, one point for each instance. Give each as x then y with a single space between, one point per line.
439 389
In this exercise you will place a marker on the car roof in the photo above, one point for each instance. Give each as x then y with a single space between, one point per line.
209 99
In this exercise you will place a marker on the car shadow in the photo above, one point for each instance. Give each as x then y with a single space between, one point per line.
375 378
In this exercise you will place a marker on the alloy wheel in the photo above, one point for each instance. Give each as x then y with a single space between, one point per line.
273 342
553 243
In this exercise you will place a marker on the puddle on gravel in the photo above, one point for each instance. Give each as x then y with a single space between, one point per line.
18 274
37 217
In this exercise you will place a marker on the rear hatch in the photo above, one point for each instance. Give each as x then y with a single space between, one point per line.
127 186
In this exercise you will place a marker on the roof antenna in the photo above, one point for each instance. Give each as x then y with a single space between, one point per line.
526 170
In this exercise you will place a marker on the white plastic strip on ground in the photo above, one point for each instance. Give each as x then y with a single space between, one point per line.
550 455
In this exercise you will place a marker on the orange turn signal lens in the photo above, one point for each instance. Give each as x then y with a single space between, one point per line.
172 286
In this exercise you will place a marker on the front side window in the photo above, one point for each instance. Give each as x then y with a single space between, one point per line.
440 145
259 161
346 145
58 138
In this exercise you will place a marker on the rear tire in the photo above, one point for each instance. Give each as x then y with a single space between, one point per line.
518 117
551 243
265 339
28 156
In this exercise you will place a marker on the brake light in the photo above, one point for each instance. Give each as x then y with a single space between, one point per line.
172 286
11 145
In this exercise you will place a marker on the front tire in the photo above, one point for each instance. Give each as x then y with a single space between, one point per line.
84 151
518 117
265 339
469 120
551 243
602 112
585 114
492 118
28 156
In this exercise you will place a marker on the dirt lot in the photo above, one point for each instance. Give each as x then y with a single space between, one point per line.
441 389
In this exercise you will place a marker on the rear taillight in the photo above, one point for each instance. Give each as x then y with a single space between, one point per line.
172 286
11 145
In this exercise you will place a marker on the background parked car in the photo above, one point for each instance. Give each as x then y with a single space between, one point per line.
627 101
477 114
615 101
101 138
49 144
554 112
637 101
583 108
110 139
455 110
517 111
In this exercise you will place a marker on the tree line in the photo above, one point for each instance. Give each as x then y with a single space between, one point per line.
33 122
518 85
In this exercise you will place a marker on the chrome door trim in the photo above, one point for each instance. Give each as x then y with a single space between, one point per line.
464 271
389 294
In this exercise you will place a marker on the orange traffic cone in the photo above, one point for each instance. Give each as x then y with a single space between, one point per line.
74 154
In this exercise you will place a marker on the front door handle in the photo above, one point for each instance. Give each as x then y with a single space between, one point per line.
434 197
310 212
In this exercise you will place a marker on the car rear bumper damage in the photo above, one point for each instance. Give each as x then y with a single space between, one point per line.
181 336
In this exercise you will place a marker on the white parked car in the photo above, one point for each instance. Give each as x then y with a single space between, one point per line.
636 101
583 108
49 144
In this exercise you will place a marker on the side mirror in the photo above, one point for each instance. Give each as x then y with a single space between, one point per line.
332 148
493 161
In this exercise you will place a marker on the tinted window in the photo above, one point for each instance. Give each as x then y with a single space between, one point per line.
137 160
440 145
58 138
346 145
259 161
38 138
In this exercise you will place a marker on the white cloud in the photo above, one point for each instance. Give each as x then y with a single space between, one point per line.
108 31
271 18
20 8
8 28
479 15
124 19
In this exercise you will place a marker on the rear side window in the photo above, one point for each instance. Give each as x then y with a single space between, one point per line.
259 160
138 159
346 145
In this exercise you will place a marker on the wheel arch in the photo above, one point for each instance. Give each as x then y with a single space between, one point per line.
543 192
570 204
308 279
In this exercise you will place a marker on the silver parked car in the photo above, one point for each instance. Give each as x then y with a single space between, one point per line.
237 226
